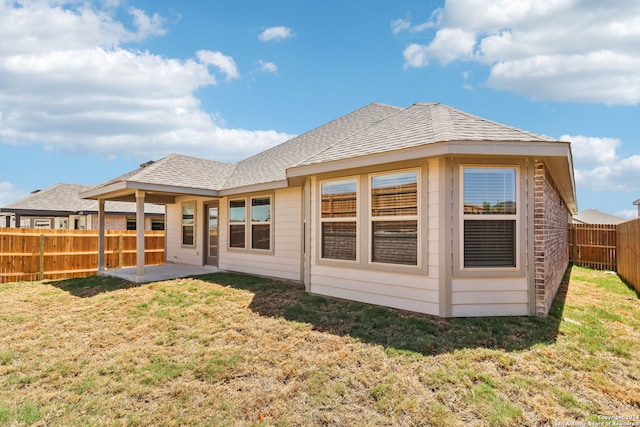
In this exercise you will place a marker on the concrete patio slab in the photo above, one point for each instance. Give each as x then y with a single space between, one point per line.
156 273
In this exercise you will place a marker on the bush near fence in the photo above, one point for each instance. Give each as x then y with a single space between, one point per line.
38 254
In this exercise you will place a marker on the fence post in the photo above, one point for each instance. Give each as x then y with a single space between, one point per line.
574 233
41 273
120 250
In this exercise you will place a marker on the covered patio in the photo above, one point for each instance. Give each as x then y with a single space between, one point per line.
161 183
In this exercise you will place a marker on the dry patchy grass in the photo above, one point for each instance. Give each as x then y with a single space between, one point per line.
231 350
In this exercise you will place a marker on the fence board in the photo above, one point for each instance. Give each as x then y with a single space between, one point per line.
593 246
629 252
36 254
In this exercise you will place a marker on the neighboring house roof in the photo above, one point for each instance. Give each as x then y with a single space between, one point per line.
637 202
64 199
593 216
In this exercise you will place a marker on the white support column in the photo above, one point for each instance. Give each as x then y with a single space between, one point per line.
100 235
139 235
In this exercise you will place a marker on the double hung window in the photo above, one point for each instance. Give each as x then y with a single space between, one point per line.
261 223
237 223
489 217
338 219
394 218
188 224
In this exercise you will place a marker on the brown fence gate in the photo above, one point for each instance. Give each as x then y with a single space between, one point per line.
593 246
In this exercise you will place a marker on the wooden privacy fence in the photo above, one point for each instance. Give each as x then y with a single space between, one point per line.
36 254
629 252
593 246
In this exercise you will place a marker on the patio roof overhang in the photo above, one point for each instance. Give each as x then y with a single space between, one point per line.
125 191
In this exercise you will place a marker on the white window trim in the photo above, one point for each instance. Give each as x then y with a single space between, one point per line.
502 217
371 219
342 219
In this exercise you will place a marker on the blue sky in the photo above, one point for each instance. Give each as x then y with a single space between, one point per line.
89 90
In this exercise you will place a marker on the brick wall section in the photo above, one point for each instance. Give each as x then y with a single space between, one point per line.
551 239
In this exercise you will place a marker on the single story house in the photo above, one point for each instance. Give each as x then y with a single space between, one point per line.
425 208
61 207
594 216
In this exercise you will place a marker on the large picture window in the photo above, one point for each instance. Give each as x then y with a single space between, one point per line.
261 223
338 219
188 224
237 223
489 217
394 218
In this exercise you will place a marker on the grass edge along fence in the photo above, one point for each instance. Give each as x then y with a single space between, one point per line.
37 254
628 241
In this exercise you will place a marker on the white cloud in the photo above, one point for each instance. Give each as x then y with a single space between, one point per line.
559 50
622 175
448 45
592 151
9 193
599 167
267 67
404 24
68 83
275 34
226 64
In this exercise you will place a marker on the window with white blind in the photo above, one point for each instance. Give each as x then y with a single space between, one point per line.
489 217
394 218
338 219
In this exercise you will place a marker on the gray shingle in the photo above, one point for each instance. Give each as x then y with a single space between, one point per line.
593 216
420 124
182 171
271 165
374 128
66 198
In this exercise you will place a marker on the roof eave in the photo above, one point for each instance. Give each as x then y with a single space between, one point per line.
556 154
118 190
474 148
255 188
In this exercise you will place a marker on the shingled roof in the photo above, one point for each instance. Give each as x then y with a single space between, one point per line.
373 129
178 170
271 165
65 199
417 125
594 216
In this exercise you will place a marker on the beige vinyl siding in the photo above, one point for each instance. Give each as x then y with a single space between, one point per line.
285 260
407 291
493 296
191 255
